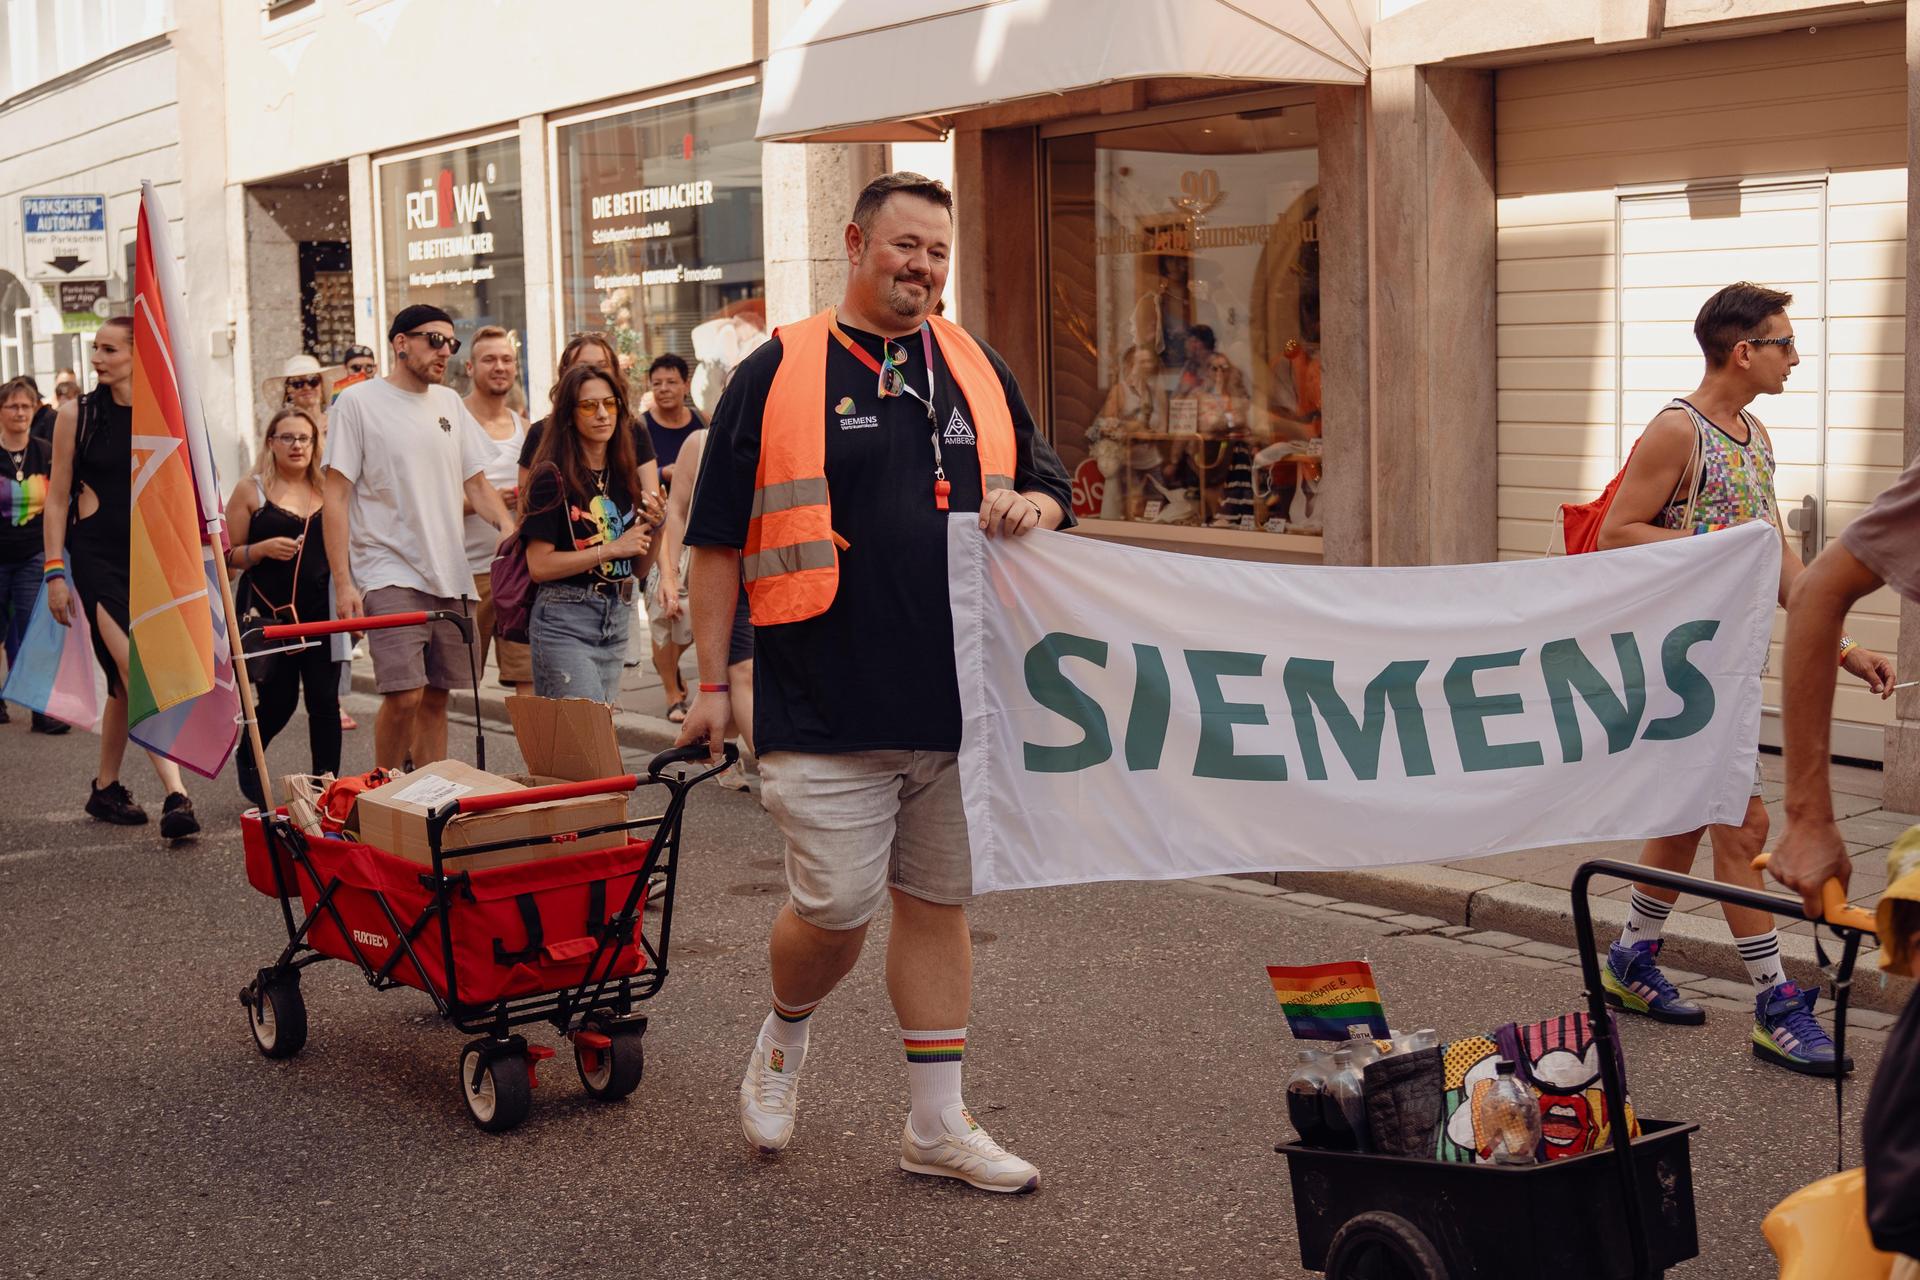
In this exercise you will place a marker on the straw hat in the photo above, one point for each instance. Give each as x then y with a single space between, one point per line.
1903 885
301 366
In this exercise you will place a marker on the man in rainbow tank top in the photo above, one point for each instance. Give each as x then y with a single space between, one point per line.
1705 463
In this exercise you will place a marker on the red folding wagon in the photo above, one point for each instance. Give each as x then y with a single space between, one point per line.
562 940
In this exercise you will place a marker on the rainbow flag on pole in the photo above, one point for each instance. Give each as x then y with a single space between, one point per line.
183 701
1330 1001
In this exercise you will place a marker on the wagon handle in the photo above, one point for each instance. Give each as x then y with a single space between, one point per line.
692 753
546 795
1834 907
376 622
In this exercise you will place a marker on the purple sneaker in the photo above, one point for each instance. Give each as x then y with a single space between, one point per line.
1786 1034
1633 982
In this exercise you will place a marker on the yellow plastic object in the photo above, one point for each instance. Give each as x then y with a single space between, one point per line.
1820 1232
1833 903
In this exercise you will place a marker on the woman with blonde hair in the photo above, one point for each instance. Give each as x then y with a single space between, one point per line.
274 518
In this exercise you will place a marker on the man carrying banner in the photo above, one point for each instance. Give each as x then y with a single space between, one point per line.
1881 547
401 450
838 489
1705 463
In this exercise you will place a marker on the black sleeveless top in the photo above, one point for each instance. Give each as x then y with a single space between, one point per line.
273 580
103 461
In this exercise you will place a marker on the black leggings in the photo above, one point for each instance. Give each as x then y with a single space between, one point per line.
276 699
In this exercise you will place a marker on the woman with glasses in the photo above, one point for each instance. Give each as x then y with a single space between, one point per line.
587 539
25 460
280 552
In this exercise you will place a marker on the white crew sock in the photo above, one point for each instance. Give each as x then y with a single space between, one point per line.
1761 955
933 1077
787 1028
1646 917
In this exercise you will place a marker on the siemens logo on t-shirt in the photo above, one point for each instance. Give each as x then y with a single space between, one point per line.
856 424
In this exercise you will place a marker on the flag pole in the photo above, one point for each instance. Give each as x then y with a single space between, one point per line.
242 681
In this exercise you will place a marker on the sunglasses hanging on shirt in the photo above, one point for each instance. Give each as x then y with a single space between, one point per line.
893 382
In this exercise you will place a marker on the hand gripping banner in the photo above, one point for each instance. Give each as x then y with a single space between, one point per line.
1143 715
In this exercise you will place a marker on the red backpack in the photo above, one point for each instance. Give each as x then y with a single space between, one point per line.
1579 521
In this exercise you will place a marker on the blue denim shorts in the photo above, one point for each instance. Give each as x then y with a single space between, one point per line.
579 640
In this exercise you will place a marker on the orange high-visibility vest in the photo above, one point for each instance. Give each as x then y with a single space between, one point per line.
791 562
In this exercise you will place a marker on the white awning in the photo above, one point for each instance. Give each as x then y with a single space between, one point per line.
897 70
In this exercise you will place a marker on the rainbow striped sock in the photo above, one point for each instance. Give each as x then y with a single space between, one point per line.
933 1075
788 1024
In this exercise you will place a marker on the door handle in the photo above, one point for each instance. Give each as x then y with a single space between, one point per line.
1805 521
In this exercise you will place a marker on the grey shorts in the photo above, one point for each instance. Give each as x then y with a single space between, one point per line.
861 823
432 653
679 631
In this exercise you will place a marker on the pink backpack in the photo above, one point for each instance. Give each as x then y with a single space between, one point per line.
512 583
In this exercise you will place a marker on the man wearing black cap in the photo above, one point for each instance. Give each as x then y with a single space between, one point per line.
401 451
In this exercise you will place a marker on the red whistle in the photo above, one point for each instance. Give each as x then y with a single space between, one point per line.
941 489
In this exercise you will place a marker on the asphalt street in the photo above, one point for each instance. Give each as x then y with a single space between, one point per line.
1124 1038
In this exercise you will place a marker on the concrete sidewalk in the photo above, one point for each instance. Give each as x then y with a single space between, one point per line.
1513 897
1509 901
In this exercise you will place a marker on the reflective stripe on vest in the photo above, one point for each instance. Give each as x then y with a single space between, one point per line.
790 561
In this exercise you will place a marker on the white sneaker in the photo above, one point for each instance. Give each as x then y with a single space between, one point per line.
964 1151
768 1095
734 779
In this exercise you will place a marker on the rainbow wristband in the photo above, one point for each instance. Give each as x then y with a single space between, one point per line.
53 569
714 688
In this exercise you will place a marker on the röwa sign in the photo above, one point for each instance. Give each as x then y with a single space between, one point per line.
1135 715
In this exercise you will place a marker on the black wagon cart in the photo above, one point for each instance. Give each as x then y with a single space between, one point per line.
567 939
1626 1211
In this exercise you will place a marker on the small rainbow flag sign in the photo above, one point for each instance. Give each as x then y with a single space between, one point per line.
1330 1001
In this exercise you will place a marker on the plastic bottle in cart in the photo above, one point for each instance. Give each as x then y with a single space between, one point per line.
1346 1109
1306 1098
1507 1118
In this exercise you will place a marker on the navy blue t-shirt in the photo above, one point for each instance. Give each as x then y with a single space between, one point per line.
667 440
875 671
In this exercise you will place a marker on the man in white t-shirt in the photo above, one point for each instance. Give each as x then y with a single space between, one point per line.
494 368
401 450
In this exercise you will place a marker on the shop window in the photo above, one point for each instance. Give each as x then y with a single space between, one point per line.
450 236
1184 319
659 222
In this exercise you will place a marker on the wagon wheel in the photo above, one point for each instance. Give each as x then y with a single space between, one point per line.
277 1016
497 1087
1383 1246
609 1058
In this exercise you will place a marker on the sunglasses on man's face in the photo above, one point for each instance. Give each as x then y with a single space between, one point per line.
438 341
1786 342
359 366
303 384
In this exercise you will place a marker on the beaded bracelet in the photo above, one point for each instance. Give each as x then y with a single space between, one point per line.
1847 645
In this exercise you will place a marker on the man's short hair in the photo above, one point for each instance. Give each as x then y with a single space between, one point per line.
876 193
484 333
1204 334
668 360
411 318
1733 314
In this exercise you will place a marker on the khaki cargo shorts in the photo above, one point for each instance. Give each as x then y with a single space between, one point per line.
863 822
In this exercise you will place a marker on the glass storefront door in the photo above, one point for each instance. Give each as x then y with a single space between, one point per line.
1184 320
450 224
660 235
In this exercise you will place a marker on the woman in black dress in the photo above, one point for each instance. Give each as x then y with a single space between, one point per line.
274 519
92 486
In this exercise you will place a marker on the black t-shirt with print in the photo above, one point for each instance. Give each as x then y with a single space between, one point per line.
642 443
875 671
23 496
590 521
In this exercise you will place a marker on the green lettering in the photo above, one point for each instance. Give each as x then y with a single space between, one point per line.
1472 710
1052 690
1687 680
1152 704
1309 683
1215 757
1568 671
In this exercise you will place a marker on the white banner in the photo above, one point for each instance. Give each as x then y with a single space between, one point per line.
1144 715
